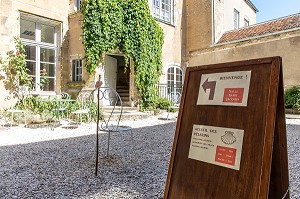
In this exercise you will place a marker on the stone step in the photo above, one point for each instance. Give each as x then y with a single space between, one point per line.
124 94
122 87
122 91
129 113
125 99
125 108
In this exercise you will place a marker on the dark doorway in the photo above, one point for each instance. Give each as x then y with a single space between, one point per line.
123 78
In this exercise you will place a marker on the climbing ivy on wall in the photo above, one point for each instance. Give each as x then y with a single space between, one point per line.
128 26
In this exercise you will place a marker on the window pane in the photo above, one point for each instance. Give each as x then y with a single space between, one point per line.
49 69
79 78
162 9
73 70
78 4
77 70
236 19
47 55
47 34
31 66
30 52
156 3
33 83
50 85
174 79
246 22
27 29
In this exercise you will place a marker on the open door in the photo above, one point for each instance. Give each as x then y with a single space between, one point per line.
110 76
110 71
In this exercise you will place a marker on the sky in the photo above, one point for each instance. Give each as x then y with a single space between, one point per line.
274 9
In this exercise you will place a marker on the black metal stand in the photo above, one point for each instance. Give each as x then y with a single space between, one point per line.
97 128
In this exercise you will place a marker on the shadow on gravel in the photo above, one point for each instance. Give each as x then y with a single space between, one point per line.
65 168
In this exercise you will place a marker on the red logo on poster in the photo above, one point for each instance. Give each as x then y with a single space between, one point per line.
233 95
225 155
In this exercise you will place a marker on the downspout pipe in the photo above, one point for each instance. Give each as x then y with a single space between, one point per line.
213 22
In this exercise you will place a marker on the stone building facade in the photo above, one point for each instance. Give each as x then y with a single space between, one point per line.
114 74
206 21
41 25
51 33
278 37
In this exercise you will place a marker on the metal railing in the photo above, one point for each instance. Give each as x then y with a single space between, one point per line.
165 89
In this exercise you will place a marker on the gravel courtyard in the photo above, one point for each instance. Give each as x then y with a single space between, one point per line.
40 163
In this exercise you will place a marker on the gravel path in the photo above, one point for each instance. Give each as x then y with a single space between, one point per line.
40 163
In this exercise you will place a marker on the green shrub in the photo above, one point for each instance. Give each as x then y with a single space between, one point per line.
292 97
45 109
93 112
163 103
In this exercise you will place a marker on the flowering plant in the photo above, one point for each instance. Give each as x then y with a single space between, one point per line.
43 80
14 67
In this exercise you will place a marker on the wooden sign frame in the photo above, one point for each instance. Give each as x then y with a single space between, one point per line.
263 166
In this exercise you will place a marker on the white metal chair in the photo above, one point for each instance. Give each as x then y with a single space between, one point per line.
175 98
19 106
2 119
61 105
84 100
111 121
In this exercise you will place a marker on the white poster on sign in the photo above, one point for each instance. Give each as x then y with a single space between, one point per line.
216 145
226 89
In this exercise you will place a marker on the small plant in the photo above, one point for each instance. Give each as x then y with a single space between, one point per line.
292 97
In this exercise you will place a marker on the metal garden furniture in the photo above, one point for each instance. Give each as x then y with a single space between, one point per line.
175 98
62 102
107 96
18 102
84 100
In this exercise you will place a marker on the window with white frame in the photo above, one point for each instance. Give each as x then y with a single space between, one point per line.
39 38
163 10
236 19
246 22
175 78
77 70
77 4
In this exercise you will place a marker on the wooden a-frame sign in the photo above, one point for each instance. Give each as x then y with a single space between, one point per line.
230 140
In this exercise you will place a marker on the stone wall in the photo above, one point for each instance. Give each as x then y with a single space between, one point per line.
199 24
171 51
75 51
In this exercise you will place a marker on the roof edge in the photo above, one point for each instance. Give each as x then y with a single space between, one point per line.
256 37
252 5
261 23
